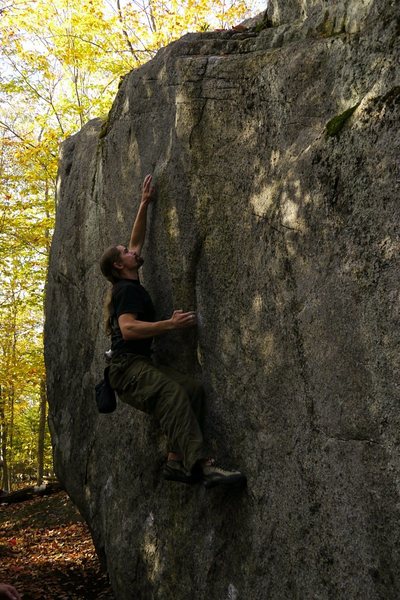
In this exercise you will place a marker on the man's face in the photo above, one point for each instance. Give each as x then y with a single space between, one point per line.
129 259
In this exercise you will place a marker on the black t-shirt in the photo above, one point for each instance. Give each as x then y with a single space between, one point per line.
129 296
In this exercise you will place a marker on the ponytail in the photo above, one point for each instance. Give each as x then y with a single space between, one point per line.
109 257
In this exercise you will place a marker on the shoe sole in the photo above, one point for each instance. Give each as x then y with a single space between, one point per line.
180 478
237 481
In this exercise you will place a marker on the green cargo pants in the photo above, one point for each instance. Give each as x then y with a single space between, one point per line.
174 399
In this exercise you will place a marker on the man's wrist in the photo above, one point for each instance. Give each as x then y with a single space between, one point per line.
169 324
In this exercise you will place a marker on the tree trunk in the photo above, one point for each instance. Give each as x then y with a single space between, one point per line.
31 492
11 395
42 431
3 444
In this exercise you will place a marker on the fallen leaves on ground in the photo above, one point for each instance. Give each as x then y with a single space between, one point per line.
47 553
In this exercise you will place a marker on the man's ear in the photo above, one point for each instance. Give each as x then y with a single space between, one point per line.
118 266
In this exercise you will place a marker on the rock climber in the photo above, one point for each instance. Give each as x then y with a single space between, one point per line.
174 399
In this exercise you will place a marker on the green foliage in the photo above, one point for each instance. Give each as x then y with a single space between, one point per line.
335 125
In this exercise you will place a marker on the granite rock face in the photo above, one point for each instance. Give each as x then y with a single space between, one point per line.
276 157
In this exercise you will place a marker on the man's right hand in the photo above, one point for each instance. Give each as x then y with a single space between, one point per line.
181 319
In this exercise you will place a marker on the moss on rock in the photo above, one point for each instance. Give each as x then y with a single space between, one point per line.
335 125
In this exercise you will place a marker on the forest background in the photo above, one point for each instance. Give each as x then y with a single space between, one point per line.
61 62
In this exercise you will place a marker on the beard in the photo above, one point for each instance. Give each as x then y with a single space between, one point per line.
139 261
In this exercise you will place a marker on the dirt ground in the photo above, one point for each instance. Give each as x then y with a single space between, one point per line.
47 553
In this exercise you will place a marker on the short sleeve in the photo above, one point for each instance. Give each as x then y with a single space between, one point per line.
127 300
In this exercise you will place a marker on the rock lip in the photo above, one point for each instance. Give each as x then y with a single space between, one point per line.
275 152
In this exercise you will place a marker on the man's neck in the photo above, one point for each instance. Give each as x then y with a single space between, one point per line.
125 274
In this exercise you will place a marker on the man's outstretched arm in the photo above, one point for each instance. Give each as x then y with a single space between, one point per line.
138 234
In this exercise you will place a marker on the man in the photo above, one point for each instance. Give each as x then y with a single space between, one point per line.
174 399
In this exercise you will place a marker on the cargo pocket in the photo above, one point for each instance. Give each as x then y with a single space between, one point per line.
120 373
129 389
128 393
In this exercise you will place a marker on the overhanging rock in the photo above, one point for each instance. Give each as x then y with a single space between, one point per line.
276 157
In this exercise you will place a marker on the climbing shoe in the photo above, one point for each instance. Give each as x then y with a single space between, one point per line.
175 471
213 475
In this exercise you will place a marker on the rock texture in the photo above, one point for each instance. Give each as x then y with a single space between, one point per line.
276 157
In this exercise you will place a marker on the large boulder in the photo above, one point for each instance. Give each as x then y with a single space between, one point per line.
339 16
275 153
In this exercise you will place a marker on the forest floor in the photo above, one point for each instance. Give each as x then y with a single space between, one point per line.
47 553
